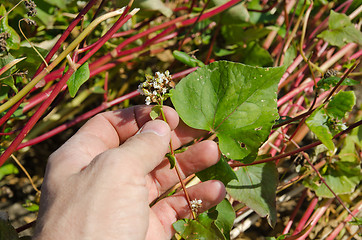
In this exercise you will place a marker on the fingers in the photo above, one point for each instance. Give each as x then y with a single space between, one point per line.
136 157
175 207
196 158
101 133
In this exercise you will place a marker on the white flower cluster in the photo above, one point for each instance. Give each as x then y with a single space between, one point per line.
155 87
196 204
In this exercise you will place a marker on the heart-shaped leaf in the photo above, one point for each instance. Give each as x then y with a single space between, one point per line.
235 101
256 187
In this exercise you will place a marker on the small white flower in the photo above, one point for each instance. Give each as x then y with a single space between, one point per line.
148 100
196 204
155 87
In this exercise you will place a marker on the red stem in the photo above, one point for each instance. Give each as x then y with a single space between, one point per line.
10 112
119 23
295 211
306 216
340 226
66 33
315 218
37 115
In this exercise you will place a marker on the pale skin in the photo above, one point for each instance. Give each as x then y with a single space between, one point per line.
99 184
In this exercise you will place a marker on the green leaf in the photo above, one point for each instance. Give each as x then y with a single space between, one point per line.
317 123
338 20
235 101
203 228
7 231
327 83
30 206
256 187
13 42
8 169
220 171
224 216
340 104
155 112
253 54
187 59
341 177
341 30
77 79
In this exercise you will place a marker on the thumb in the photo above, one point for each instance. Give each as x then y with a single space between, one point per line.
148 147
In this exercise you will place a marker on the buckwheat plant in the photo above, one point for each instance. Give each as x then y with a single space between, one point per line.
156 88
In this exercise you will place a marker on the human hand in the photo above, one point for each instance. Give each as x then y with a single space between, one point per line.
99 184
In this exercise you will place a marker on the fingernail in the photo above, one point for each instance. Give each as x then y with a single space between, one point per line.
157 127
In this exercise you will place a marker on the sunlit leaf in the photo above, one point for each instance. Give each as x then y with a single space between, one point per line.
235 101
256 187
77 79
